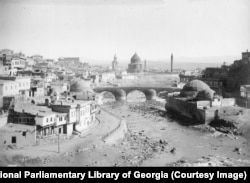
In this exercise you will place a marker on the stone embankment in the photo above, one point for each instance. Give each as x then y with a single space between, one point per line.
118 132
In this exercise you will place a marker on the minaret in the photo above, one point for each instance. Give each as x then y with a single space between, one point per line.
114 63
172 59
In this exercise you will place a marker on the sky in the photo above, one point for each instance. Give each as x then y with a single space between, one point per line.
98 29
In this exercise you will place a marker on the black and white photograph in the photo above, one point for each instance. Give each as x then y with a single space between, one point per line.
124 83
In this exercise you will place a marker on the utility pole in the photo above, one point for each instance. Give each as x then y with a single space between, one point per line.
58 141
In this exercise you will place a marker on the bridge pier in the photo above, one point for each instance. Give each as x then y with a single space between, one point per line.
150 94
120 95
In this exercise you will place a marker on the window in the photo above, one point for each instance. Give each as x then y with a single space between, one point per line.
13 139
6 88
24 134
51 119
47 120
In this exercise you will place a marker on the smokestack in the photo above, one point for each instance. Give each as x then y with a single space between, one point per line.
172 59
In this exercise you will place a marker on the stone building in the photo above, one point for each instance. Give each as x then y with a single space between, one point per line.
17 135
227 80
198 102
135 65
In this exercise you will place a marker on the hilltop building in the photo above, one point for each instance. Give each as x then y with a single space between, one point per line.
135 65
227 80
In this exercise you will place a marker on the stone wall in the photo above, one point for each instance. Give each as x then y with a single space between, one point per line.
117 133
17 135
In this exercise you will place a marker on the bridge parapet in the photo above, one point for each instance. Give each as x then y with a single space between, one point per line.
121 93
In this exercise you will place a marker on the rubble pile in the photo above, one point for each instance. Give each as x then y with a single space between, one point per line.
212 161
143 148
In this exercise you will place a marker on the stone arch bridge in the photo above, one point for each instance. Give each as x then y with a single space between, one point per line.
121 93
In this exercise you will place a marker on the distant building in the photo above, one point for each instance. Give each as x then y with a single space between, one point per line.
245 91
244 99
59 87
18 63
115 64
189 75
108 77
24 84
69 61
6 52
8 88
135 65
227 80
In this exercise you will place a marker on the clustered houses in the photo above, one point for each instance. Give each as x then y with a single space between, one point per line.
63 117
80 114
34 94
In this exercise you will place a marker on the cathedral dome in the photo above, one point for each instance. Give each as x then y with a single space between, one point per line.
135 59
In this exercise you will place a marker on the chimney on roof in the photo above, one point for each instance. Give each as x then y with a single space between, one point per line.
61 103
23 110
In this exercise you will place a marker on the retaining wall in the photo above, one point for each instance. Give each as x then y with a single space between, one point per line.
117 133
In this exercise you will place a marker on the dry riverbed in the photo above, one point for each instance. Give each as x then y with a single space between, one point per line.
154 139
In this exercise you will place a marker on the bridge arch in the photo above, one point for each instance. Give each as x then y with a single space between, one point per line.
119 94
138 98
107 95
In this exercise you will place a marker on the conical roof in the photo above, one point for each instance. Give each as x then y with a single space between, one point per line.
135 58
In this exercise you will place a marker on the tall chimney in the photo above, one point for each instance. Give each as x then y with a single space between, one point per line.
145 65
172 59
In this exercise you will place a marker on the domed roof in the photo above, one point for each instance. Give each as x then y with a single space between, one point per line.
197 89
135 58
80 85
195 85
